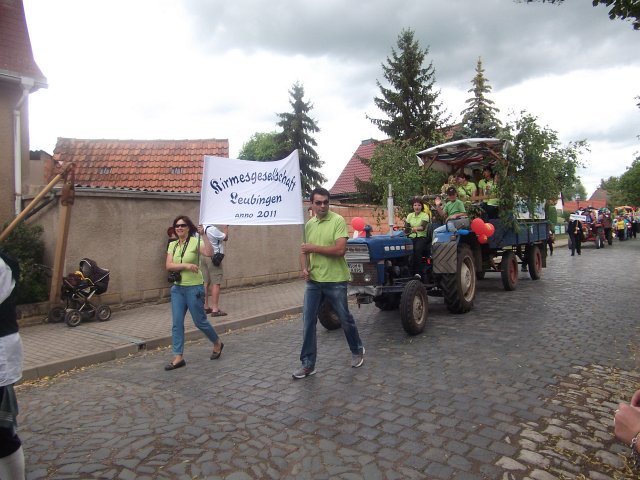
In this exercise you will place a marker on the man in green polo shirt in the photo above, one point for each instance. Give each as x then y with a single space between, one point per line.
453 212
326 272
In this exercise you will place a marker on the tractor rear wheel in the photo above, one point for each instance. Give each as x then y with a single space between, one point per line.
460 288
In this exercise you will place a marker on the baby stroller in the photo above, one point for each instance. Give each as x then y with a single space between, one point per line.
78 288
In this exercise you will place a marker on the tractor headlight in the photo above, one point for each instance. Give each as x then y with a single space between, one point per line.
367 277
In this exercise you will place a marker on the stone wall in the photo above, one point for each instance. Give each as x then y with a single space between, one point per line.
125 232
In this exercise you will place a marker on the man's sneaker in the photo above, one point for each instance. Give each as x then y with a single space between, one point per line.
357 359
303 372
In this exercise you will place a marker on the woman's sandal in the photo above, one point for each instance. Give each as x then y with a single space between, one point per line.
173 366
208 311
219 313
216 355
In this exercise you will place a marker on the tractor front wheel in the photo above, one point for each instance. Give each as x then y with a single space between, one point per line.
414 307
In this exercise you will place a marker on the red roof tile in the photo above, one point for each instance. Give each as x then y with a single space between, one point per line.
152 165
16 56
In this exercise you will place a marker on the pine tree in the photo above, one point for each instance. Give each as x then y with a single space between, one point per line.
479 118
296 134
410 103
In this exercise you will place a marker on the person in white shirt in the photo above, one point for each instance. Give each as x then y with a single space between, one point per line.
11 453
212 269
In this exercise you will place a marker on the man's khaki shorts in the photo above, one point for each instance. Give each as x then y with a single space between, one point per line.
210 273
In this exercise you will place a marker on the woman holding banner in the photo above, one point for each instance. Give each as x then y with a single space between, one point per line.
187 291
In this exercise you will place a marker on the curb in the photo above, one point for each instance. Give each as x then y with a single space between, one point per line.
191 334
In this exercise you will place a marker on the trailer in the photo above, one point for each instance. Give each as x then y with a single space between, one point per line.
509 249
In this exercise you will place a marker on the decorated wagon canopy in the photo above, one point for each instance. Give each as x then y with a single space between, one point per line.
468 153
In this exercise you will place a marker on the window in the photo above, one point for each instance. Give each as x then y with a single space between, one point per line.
176 170
104 170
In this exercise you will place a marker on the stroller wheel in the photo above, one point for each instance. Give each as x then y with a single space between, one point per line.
103 313
56 315
73 318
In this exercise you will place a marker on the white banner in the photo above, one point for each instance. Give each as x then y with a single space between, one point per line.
244 192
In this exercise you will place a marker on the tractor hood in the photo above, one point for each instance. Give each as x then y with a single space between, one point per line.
383 246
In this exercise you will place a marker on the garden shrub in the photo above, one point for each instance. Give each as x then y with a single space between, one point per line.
25 245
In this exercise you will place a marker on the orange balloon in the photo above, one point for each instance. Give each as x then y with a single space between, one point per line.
489 229
482 238
477 225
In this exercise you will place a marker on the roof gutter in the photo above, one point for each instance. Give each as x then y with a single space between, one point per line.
27 85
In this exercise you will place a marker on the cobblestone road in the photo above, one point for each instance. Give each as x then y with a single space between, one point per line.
523 387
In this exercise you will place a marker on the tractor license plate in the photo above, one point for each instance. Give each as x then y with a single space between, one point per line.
356 268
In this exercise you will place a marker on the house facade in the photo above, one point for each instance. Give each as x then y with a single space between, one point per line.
19 77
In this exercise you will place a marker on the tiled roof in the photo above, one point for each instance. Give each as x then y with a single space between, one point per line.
355 168
346 182
16 56
573 205
597 200
152 165
599 194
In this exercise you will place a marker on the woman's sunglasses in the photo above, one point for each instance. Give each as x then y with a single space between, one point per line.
181 225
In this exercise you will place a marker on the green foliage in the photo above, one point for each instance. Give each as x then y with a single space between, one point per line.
625 189
262 147
297 128
410 103
479 118
396 163
539 166
622 9
26 246
571 192
630 183
551 213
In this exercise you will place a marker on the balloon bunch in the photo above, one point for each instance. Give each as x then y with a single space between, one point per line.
482 230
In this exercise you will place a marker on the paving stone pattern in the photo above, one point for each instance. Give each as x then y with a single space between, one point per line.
522 387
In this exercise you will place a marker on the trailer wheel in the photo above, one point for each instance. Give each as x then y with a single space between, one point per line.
388 301
509 271
460 288
414 307
328 317
534 261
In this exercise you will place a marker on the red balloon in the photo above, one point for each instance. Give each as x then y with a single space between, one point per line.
482 238
477 225
357 223
362 233
489 229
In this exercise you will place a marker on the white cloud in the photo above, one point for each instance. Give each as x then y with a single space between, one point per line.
203 69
